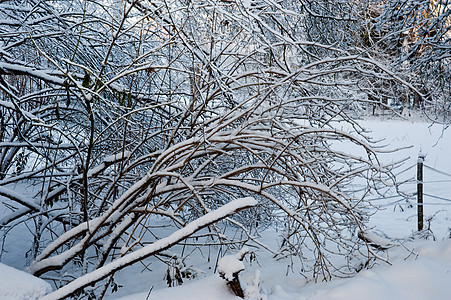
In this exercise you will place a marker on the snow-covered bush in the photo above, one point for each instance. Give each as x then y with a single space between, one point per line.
167 112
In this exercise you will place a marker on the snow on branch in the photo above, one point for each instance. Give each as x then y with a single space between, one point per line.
162 244
18 198
230 265
108 161
46 75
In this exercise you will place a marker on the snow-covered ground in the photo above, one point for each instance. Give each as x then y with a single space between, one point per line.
16 284
419 268
395 217
424 273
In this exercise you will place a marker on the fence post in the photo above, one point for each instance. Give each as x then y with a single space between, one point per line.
421 157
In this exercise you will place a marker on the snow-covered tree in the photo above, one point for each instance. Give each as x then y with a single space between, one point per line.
415 37
139 111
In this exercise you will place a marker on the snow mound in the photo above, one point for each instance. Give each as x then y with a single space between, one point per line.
422 274
211 288
18 285
230 265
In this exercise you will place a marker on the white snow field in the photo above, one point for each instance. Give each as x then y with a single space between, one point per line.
422 270
16 284
419 266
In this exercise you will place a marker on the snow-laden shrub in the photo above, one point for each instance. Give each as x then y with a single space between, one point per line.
143 113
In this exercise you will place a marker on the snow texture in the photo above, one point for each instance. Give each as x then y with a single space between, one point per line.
212 287
376 240
18 198
252 291
18 285
229 265
425 274
47 75
107 161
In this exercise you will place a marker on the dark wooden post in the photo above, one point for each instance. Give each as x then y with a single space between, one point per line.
421 157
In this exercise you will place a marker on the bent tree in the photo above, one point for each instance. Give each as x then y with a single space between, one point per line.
118 116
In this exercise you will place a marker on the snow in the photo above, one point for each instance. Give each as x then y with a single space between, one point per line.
374 238
107 161
426 274
18 285
47 75
397 217
252 291
231 264
212 287
420 271
18 198
159 245
6 104
418 268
